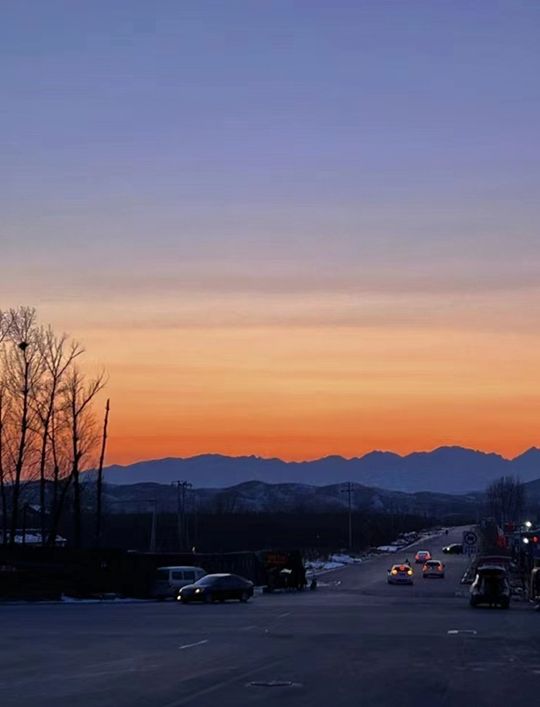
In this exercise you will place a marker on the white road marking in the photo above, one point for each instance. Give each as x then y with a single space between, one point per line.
192 645
282 616
194 697
465 631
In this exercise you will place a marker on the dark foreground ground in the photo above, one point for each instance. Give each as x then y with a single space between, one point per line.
355 641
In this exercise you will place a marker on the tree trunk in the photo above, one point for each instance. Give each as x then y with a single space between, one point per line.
2 481
20 455
99 488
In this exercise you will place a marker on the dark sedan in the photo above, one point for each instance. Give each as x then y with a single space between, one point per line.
455 549
217 587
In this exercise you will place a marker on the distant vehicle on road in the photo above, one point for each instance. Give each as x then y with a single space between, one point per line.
169 580
491 586
217 587
422 556
433 568
453 549
400 574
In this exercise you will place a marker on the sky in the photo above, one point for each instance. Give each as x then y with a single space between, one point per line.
289 228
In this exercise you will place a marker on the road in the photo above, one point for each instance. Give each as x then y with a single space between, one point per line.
355 641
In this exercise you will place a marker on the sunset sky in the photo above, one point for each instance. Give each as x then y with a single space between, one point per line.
286 228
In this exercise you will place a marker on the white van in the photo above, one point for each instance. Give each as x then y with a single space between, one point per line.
168 580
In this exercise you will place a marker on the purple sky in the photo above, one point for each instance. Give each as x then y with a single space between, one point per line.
166 165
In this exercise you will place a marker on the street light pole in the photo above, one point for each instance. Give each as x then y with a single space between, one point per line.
181 517
153 526
153 531
348 490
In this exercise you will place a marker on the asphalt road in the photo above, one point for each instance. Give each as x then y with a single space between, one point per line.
356 641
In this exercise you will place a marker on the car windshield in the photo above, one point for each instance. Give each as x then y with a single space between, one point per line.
208 580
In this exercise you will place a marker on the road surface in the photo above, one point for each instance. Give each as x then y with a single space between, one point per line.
356 641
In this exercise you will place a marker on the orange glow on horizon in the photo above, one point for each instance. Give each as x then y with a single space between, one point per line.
298 394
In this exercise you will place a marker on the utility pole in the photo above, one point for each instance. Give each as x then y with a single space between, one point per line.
181 516
348 490
99 485
153 529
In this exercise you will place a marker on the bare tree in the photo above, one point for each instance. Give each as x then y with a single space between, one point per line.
506 499
4 331
3 491
22 368
47 434
79 394
58 355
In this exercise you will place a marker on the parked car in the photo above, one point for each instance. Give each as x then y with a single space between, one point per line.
453 549
169 580
491 586
433 568
422 556
400 574
534 587
217 587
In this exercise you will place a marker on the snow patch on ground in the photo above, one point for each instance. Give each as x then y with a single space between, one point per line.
345 559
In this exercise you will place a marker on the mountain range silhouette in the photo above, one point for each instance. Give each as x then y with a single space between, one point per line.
445 470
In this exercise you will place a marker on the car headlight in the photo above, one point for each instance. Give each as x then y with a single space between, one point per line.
198 590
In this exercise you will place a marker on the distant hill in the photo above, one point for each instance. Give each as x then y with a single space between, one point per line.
532 491
453 470
259 497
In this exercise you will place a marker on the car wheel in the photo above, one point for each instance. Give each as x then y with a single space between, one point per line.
472 602
208 598
244 597
505 604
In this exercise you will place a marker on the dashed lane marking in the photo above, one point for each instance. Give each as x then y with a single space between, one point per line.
192 645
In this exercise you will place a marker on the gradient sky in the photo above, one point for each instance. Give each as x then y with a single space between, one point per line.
289 228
